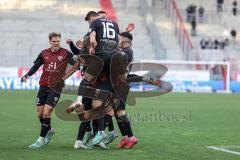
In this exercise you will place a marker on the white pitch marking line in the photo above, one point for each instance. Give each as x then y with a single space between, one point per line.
230 146
224 150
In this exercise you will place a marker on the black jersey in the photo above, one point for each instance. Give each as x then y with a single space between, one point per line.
106 32
129 52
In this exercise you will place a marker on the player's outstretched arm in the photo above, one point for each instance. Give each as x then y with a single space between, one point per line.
75 50
37 63
72 70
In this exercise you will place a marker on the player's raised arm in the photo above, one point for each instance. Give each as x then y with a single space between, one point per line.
75 50
37 63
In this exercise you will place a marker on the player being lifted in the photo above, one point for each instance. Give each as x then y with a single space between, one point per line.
54 60
103 44
85 126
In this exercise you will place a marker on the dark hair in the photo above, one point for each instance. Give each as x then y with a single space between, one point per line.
54 34
102 12
127 35
90 14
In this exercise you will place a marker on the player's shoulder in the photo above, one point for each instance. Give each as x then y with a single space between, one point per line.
45 51
97 21
65 51
127 50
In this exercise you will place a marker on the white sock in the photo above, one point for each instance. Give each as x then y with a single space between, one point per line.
79 100
101 132
78 141
41 139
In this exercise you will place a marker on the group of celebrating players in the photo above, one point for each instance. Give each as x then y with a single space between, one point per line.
106 57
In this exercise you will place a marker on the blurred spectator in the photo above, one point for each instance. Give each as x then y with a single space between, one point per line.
210 44
194 25
222 44
219 5
226 42
191 12
234 35
203 44
234 8
216 43
201 11
188 10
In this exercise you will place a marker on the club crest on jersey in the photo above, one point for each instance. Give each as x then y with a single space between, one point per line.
60 58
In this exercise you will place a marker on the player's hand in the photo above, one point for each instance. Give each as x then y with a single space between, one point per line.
79 44
130 27
91 50
68 41
24 78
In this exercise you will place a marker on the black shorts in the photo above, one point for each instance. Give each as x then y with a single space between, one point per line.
121 106
106 57
105 85
87 102
47 96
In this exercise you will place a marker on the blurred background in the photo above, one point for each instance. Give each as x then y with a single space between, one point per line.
197 40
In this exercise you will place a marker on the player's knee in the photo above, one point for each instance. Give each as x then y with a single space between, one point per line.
122 118
47 111
40 115
110 113
96 103
119 113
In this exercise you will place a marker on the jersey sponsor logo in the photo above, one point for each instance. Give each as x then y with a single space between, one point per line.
52 66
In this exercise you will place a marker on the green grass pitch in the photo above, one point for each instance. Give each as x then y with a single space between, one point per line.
176 126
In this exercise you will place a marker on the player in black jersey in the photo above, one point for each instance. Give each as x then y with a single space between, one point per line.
85 128
121 116
103 44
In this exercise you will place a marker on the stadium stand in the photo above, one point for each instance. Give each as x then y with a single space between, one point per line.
25 24
128 12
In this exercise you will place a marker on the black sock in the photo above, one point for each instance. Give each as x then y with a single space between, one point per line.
124 126
121 125
46 126
94 125
41 119
100 124
128 128
109 123
82 129
89 127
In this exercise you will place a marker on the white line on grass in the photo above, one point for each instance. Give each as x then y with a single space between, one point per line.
230 146
224 150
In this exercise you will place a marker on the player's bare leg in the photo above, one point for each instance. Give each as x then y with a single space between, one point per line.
76 106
